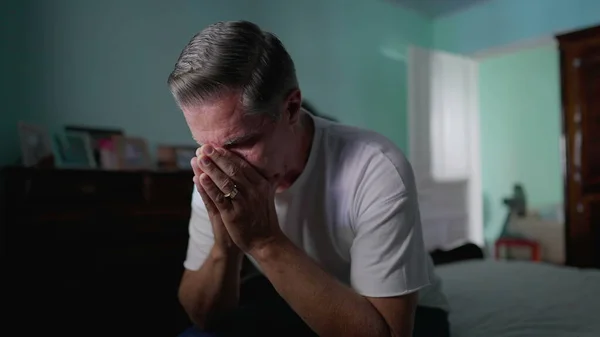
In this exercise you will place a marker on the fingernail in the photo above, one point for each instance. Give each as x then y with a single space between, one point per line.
208 149
205 161
198 152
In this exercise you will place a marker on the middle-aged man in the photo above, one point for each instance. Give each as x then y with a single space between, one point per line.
327 213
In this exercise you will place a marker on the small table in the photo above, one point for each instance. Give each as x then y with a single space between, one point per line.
508 242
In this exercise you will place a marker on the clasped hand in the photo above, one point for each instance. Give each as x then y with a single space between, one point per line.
247 219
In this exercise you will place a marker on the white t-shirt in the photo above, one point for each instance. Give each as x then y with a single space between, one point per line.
354 210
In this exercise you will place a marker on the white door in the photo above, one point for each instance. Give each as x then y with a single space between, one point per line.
444 146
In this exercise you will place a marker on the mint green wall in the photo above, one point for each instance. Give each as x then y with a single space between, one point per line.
502 22
520 130
13 25
336 45
105 63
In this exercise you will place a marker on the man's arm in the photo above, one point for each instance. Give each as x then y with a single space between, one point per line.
329 307
388 265
212 290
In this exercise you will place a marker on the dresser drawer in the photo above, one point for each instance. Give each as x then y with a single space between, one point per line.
39 187
172 188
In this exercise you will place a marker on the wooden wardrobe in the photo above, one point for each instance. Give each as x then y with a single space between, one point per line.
580 77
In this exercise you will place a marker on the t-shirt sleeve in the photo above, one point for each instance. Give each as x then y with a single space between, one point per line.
201 235
388 257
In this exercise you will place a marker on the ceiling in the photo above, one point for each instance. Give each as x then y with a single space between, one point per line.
436 8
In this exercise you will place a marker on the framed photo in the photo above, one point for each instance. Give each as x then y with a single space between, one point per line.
76 150
166 158
131 153
36 146
184 155
97 136
172 157
108 155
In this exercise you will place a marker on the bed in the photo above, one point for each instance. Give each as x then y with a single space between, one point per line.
513 298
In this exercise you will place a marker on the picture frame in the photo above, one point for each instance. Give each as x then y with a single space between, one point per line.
36 145
108 156
76 150
166 158
183 156
175 157
97 135
131 153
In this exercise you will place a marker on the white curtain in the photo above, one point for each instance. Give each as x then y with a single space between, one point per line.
444 146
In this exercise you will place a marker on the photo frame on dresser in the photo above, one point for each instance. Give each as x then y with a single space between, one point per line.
131 153
76 150
175 157
166 158
184 155
98 135
36 144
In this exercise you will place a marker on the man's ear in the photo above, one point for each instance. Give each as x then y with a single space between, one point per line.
293 105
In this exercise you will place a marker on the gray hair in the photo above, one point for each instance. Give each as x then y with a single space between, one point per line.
234 55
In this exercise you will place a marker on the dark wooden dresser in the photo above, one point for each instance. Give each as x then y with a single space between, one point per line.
93 253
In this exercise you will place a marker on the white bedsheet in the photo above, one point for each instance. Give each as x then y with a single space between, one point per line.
509 299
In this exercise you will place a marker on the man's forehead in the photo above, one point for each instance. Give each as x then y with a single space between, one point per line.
225 138
223 129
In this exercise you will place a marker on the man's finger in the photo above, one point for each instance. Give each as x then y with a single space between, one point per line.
197 171
195 166
211 208
223 182
231 164
214 193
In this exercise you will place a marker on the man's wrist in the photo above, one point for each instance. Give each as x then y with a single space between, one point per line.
226 254
270 249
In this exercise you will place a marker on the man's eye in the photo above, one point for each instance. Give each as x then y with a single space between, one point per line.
246 143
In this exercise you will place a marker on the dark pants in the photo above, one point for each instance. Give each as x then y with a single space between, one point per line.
262 312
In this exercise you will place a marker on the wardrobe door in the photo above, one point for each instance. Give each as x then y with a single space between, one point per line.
580 54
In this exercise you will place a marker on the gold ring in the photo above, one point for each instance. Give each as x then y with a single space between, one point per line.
232 194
